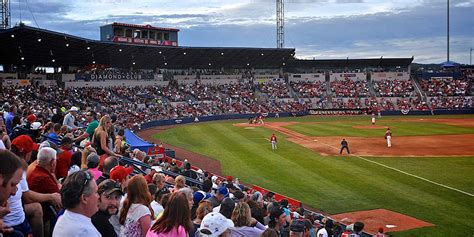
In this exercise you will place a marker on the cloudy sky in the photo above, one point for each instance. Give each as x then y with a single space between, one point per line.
320 29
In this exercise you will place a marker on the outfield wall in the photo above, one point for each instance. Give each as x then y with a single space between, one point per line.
168 122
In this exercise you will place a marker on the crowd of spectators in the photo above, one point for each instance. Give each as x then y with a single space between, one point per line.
309 89
446 87
275 89
453 102
393 88
349 88
92 190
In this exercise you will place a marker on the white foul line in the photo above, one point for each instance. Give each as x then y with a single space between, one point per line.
403 172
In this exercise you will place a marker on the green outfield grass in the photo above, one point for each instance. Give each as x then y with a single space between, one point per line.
342 184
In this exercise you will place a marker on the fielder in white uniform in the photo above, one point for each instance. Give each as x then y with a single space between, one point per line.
388 136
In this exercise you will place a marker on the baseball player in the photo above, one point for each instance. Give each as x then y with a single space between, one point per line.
373 119
388 137
344 145
273 140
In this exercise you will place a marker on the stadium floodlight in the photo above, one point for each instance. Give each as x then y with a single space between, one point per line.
88 48
39 40
166 64
13 36
159 52
120 50
22 58
262 54
222 54
248 64
210 64
284 64
53 60
93 62
133 63
184 53
67 45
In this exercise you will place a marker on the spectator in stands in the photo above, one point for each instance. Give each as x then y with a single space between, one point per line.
297 229
110 194
70 118
277 218
244 224
327 230
204 208
64 158
79 197
226 208
119 144
149 176
257 210
42 179
53 136
10 174
215 224
270 233
91 118
93 165
109 163
121 175
358 227
156 204
176 218
189 195
23 146
179 183
135 215
100 140
9 119
188 172
4 138
217 198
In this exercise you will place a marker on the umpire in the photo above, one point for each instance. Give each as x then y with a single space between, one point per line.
345 145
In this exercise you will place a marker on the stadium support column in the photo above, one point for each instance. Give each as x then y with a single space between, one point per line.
280 9
5 12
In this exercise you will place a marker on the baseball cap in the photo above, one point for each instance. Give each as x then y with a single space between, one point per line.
229 178
31 118
224 191
74 109
297 226
109 186
24 144
93 158
199 196
35 126
214 224
119 173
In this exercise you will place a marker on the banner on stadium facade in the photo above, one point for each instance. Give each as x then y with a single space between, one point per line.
114 76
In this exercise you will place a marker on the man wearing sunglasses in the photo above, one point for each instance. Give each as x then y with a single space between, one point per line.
110 194
80 199
91 118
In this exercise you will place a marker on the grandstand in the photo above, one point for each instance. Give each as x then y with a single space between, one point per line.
143 86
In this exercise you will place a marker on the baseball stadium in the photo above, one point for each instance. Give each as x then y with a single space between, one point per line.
192 137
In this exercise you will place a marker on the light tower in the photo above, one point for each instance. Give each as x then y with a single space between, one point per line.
280 18
5 12
447 53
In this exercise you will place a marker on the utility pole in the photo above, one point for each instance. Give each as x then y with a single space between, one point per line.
280 18
448 33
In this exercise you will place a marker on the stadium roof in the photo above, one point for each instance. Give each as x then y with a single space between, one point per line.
350 63
24 45
29 46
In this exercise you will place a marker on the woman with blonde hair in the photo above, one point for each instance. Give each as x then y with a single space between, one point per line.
135 215
176 218
244 224
179 183
100 139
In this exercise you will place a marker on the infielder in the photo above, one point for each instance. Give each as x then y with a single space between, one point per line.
273 140
388 137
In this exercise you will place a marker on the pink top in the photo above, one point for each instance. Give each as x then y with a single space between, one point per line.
179 232
95 172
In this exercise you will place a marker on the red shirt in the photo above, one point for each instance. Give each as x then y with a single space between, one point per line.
273 138
149 178
42 181
63 163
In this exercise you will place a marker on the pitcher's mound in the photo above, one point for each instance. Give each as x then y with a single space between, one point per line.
370 127
374 219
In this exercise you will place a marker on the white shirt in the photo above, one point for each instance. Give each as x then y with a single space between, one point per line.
73 224
2 145
131 227
322 233
17 215
69 121
157 208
